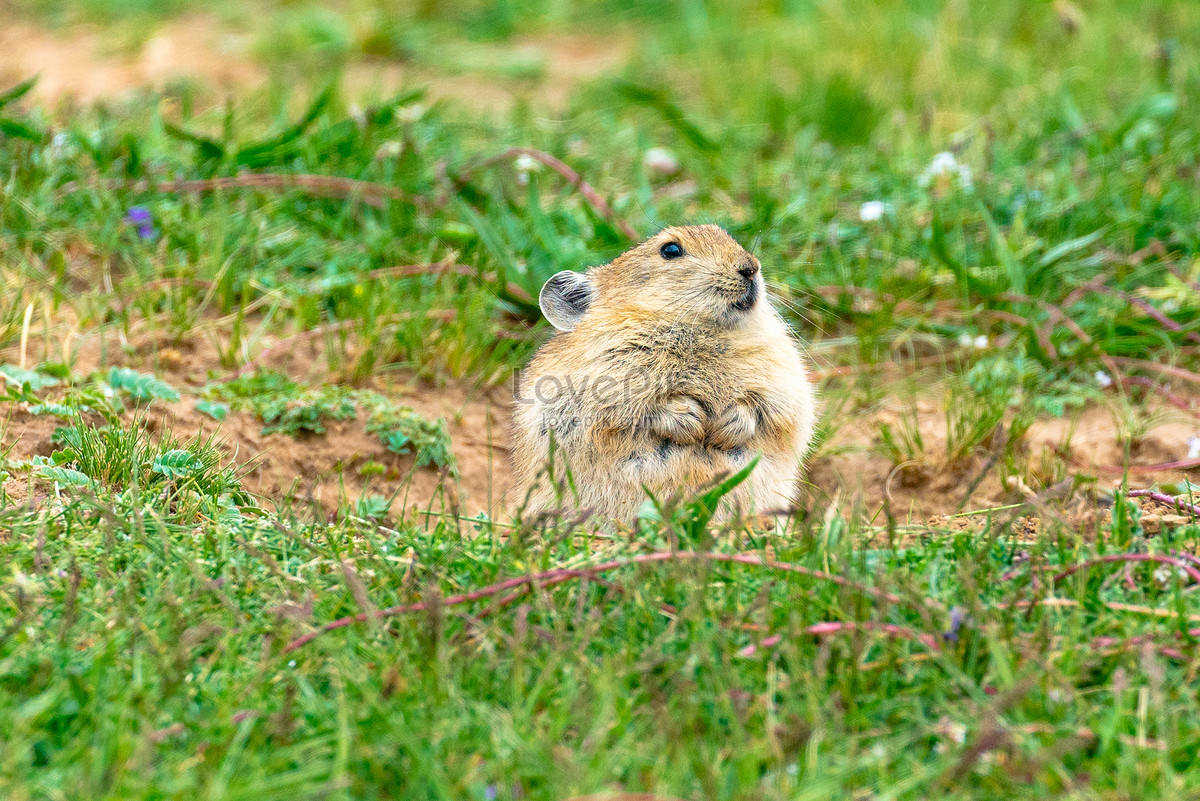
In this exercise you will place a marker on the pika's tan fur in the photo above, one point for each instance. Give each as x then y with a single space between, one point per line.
670 378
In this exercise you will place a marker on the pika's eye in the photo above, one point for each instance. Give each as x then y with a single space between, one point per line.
671 250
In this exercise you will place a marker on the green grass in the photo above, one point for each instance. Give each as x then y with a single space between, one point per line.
145 655
147 600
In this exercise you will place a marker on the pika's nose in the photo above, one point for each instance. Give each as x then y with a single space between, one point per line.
748 269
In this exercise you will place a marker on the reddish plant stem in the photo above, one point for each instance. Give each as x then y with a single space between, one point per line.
1042 335
330 185
1182 506
1193 572
1140 469
1060 316
838 627
1054 602
1187 557
1115 645
1166 394
1096 284
1163 369
1099 286
550 578
1162 319
598 204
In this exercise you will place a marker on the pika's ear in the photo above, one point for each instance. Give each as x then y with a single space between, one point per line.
565 298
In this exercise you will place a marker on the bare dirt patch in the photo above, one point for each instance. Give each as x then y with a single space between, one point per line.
560 63
85 65
323 471
1091 442
81 63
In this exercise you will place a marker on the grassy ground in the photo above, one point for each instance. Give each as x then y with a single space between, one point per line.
982 222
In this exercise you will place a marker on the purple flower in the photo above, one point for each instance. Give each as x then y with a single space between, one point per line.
142 221
958 616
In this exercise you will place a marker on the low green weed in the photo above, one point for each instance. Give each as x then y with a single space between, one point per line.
286 407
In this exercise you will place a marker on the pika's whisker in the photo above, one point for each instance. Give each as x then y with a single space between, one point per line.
795 310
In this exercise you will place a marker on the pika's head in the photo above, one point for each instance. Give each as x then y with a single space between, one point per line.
696 275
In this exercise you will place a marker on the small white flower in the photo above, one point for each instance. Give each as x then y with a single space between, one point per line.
526 164
410 113
945 164
660 160
1103 379
60 146
951 731
1193 443
873 210
1164 576
390 149
979 342
291 663
964 177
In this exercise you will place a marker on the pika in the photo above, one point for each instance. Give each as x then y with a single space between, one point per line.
670 368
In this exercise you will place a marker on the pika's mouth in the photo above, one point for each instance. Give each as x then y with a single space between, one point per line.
748 299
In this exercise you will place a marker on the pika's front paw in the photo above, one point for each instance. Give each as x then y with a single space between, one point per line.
733 428
679 420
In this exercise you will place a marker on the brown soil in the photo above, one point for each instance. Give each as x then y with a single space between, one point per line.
1084 443
323 471
566 62
84 64
851 473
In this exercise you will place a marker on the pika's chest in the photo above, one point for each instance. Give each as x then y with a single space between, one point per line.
670 347
698 360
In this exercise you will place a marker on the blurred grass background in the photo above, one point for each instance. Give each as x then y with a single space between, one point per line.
856 69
